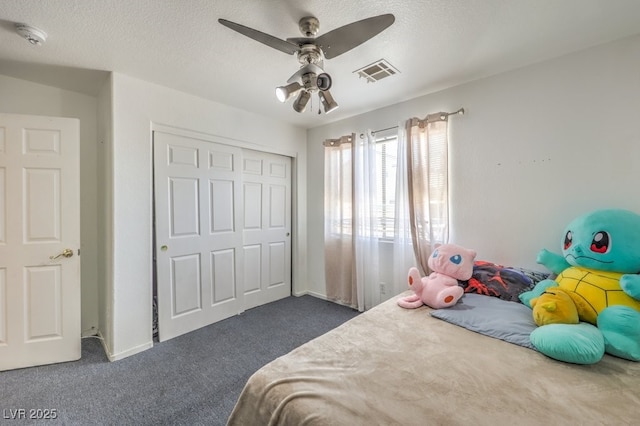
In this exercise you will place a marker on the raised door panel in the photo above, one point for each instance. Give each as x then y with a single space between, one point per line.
185 284
221 206
41 213
43 307
221 161
277 263
41 141
184 207
252 166
277 206
252 268
182 156
223 274
252 206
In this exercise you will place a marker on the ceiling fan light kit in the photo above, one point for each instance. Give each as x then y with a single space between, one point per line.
301 101
311 53
284 93
327 101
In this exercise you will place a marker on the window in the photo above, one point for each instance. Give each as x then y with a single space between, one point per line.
431 159
386 162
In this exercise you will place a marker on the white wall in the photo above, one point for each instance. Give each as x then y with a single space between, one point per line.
137 107
537 147
25 97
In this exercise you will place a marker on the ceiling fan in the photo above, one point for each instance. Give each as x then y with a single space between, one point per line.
312 51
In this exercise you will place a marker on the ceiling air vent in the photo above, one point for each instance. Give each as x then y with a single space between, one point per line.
377 71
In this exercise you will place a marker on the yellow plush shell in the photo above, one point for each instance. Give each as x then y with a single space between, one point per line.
594 291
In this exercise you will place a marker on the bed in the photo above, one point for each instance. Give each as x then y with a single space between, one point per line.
395 366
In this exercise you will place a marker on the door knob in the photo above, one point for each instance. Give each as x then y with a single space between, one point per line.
66 253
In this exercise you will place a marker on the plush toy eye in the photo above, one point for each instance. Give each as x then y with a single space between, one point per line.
600 242
435 254
456 259
568 239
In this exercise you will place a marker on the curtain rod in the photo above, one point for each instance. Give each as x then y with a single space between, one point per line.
339 141
431 118
439 116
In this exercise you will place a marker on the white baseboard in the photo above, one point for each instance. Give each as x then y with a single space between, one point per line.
318 295
324 297
124 354
129 352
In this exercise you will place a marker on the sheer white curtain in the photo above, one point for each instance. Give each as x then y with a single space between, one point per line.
403 254
351 243
428 186
366 221
339 246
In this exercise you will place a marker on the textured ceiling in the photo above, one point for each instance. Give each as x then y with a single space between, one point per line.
179 44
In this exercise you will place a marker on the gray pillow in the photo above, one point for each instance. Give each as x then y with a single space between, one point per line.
491 316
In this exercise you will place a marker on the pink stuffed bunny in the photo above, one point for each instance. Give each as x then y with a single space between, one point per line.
449 263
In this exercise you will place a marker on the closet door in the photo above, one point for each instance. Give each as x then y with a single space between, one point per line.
198 233
266 181
223 223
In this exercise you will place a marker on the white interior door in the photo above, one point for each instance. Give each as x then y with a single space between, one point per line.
223 228
266 180
39 240
198 233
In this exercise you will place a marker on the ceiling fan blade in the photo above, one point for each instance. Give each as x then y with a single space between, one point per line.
269 40
343 39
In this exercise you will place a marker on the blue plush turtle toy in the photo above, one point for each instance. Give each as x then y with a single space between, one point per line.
600 269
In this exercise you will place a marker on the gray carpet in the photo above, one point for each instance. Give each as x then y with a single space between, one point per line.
193 379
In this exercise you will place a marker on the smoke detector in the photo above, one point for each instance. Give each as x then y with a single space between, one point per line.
33 35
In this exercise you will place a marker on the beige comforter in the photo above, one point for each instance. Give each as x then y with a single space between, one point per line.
393 366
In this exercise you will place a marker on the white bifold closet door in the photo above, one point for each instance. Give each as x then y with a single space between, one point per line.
223 223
